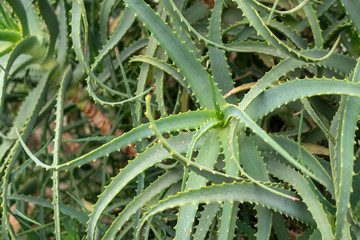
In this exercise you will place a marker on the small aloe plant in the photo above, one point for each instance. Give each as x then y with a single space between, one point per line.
243 115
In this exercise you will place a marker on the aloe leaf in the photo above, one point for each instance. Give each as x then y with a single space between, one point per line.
264 222
6 48
289 33
233 111
33 20
20 11
141 177
245 35
218 64
192 70
334 29
248 150
257 47
352 8
180 28
307 158
16 149
336 61
278 26
120 30
228 216
31 103
206 157
203 129
335 165
176 154
229 209
3 23
145 68
105 11
280 228
188 120
344 157
227 139
63 34
159 76
257 22
9 162
65 209
184 160
259 6
196 12
126 53
308 196
52 24
78 13
290 91
278 45
255 171
26 110
11 36
142 162
242 192
207 217
324 126
319 10
314 24
272 10
23 166
163 66
228 220
256 168
265 31
57 144
27 15
132 48
16 213
8 22
103 102
233 154
163 182
28 45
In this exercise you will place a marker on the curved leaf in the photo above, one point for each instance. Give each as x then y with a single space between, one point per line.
284 93
352 8
243 192
163 182
194 73
233 111
349 111
336 62
29 45
218 64
308 196
206 157
142 162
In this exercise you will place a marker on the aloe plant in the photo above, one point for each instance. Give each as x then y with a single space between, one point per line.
243 113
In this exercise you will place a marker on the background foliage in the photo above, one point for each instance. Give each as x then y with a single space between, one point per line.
246 132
